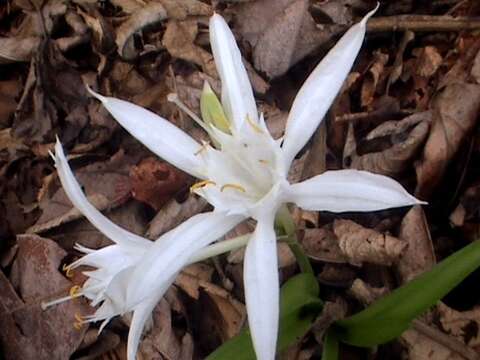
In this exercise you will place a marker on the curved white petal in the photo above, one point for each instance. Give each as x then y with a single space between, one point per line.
320 89
78 199
237 95
172 252
350 190
140 316
260 275
159 135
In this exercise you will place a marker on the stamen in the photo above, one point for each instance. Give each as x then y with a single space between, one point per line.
79 321
68 271
262 161
255 127
233 186
75 291
201 184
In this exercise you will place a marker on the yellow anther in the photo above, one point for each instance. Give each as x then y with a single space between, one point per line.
201 184
79 321
203 148
262 161
233 186
254 126
75 291
68 271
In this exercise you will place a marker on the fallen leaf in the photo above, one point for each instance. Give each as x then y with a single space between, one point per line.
179 40
419 255
372 77
455 113
107 185
281 33
144 16
174 213
322 245
404 139
361 245
27 331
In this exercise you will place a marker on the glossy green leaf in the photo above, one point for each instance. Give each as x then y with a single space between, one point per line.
299 306
390 316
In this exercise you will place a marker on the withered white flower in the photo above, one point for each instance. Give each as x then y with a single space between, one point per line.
243 175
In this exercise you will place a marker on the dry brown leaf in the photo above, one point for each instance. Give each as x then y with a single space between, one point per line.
405 138
17 49
280 32
421 347
372 77
361 245
154 182
475 71
174 213
107 185
455 113
419 255
322 245
28 332
147 15
331 312
428 61
179 40
460 324
162 341
180 9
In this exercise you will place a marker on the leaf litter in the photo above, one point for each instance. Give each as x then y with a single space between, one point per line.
409 110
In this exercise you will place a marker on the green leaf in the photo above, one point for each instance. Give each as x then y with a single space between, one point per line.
212 110
299 306
390 316
330 346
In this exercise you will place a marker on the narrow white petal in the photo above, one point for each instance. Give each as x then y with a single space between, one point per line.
260 275
78 199
172 252
350 190
140 316
320 89
159 135
237 94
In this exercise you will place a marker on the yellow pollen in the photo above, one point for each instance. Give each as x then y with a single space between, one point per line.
75 291
202 149
254 126
201 184
262 161
78 324
68 271
233 186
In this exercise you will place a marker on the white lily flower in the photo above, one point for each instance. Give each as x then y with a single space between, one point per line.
107 285
244 176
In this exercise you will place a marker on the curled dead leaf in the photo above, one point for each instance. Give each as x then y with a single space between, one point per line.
455 113
361 245
147 15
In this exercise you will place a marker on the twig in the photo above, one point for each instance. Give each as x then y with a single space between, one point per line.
445 340
422 23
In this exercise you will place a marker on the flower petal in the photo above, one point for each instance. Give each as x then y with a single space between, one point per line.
78 199
159 135
260 275
237 95
350 190
172 252
320 89
140 316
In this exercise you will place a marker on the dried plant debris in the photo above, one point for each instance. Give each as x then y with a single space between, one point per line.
409 110
27 331
361 245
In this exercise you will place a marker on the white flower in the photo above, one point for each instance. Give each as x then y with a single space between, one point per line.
243 176
107 284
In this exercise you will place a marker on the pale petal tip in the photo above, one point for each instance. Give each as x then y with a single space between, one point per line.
370 14
102 98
